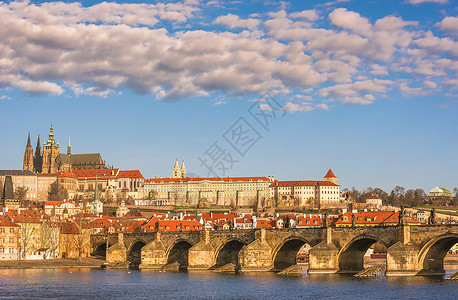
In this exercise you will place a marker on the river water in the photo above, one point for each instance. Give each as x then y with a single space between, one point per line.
124 284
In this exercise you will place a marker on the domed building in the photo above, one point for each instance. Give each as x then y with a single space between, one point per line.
440 196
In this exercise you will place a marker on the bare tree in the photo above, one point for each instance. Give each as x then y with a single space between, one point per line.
26 238
50 238
21 193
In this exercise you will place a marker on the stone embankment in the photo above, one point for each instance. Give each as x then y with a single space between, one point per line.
86 262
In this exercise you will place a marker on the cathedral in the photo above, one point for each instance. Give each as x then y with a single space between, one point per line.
50 160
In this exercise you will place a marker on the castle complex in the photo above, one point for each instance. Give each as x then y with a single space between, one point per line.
50 160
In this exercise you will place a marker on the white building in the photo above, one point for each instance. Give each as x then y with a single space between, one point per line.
25 179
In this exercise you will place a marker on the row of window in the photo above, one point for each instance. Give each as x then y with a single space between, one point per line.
9 250
3 230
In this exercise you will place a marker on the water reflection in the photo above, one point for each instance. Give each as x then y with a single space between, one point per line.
107 284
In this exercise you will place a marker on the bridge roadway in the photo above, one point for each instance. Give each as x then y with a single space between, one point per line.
411 250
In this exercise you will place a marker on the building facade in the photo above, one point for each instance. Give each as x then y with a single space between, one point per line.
306 192
223 192
22 178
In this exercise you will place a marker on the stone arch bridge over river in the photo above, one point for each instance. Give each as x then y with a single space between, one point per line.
411 250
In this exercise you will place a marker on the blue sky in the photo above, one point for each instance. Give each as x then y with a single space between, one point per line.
367 88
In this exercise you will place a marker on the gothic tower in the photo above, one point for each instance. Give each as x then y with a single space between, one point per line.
50 154
38 158
28 157
183 170
176 170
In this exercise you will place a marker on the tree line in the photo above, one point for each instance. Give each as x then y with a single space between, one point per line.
398 196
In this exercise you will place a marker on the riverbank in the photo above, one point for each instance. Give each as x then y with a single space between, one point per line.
86 262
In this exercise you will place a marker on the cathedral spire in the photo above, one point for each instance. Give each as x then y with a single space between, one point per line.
38 148
28 156
69 148
51 141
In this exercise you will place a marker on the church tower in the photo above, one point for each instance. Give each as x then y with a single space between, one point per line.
176 170
183 170
28 157
38 158
330 177
50 153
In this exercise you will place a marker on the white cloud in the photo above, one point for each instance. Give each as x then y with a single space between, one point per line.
39 87
309 15
233 21
4 97
363 100
350 20
378 70
99 49
449 24
304 107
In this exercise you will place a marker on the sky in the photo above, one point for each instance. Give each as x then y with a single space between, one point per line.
238 88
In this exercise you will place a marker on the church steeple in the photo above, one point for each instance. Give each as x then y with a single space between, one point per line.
38 158
69 148
183 170
51 141
38 148
176 170
28 156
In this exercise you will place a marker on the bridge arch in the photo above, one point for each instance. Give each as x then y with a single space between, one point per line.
134 255
178 252
351 256
431 256
100 250
228 252
285 253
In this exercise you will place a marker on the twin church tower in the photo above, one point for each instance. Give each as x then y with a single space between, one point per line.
50 160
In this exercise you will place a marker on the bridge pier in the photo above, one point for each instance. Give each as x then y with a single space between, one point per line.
401 258
153 255
117 254
323 258
201 255
257 256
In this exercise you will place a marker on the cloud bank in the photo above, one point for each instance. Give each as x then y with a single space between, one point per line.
65 48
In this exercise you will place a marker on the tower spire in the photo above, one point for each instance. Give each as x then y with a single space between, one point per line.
69 148
28 156
176 170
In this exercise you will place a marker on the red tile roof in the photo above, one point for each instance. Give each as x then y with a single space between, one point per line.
302 183
99 173
5 222
130 174
172 225
330 174
24 216
217 179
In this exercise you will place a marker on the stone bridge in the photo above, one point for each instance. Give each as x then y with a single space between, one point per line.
411 250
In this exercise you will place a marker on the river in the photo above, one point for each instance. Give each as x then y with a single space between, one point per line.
86 283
